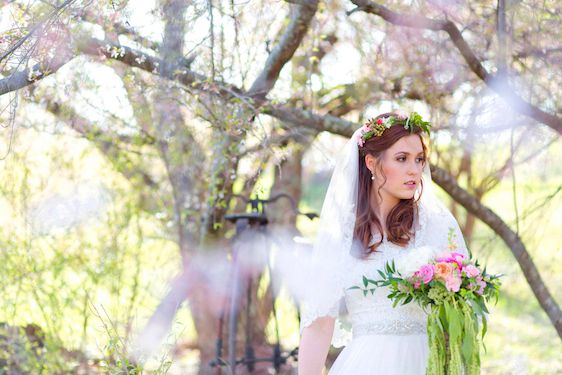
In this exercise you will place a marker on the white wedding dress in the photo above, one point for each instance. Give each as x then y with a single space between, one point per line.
383 339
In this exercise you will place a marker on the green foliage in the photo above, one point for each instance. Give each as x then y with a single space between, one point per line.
117 260
28 350
415 119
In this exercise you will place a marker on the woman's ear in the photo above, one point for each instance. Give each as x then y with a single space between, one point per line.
370 162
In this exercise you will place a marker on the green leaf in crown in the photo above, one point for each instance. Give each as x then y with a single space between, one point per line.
415 119
376 127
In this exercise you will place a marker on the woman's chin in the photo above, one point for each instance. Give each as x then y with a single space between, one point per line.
407 195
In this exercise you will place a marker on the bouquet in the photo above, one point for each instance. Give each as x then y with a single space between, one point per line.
455 290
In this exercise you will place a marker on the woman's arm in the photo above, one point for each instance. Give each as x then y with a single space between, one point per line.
314 345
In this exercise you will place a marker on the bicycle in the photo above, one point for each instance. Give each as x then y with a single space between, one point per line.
249 226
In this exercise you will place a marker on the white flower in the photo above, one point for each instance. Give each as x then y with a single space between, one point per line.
416 258
141 59
387 123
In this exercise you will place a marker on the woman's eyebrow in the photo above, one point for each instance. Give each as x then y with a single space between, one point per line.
407 153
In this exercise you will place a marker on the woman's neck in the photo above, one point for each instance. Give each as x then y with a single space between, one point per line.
383 208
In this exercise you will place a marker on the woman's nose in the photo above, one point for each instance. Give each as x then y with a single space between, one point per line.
414 168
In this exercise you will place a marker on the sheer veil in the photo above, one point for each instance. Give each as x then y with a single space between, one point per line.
333 245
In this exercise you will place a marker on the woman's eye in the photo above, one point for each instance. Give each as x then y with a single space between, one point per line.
403 158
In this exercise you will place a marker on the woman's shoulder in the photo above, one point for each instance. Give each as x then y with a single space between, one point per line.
436 217
434 225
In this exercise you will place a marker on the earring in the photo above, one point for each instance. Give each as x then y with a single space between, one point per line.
372 175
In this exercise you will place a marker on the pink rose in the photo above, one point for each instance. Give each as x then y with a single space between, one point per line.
471 271
454 258
453 283
426 273
458 258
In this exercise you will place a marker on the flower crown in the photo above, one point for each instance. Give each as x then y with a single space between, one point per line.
375 128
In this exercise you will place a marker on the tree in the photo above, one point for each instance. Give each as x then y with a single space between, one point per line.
468 50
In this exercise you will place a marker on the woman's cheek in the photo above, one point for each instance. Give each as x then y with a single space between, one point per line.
392 171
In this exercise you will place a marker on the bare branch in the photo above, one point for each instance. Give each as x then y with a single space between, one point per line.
107 49
284 51
301 117
496 83
35 28
537 52
302 2
103 139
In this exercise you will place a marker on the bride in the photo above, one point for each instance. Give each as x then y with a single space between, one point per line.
379 206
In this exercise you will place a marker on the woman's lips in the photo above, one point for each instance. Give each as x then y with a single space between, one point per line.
410 185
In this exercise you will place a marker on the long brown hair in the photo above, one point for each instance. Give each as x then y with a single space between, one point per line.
401 218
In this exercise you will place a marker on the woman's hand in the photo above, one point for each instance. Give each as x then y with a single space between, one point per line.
314 346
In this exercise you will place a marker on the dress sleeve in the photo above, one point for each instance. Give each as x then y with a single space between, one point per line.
309 312
327 298
342 334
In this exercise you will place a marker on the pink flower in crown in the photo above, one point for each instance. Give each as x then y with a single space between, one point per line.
453 283
364 129
360 141
471 271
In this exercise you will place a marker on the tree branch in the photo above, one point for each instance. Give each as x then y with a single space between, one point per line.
102 139
511 239
284 51
57 10
496 83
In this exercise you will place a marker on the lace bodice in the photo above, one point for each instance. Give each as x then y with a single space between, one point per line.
374 314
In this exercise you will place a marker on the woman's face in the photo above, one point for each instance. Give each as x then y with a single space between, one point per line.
402 165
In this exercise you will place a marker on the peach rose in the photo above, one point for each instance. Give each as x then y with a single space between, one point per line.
443 270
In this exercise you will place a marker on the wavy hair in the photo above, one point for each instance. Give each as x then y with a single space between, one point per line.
401 218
